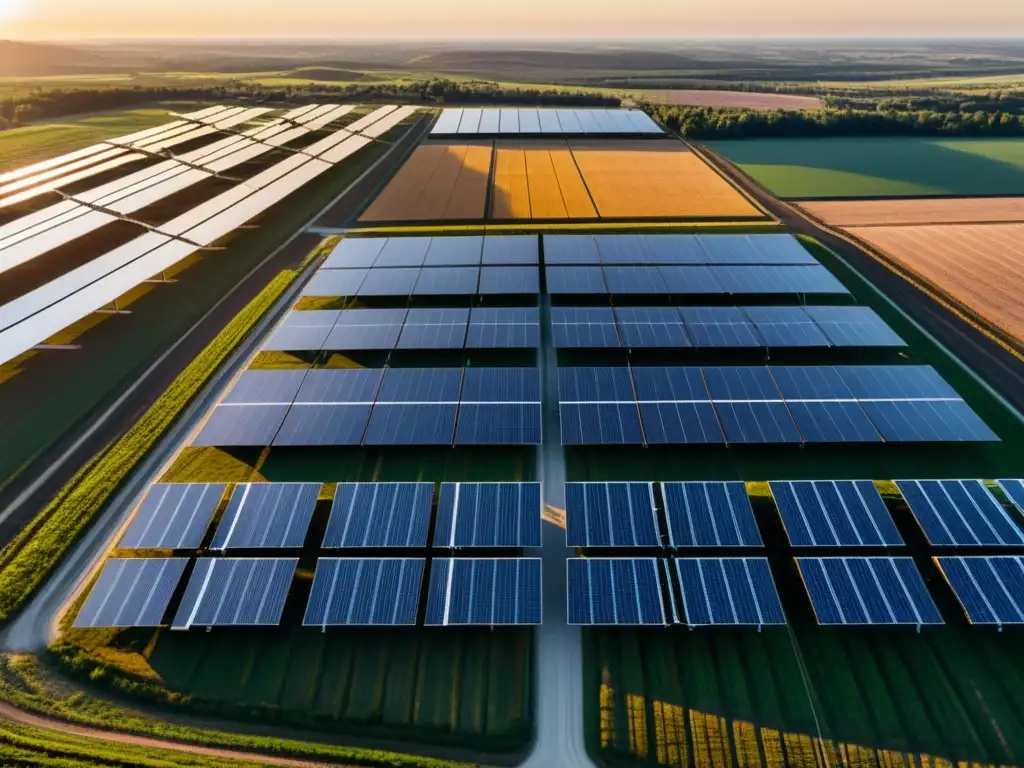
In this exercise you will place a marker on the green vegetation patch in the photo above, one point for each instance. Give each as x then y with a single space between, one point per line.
882 167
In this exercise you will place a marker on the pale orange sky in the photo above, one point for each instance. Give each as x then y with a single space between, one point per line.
347 19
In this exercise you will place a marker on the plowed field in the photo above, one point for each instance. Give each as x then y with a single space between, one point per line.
867 213
733 99
439 182
980 266
538 180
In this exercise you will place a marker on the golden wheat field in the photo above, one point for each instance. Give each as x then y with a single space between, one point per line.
538 180
981 266
440 182
948 210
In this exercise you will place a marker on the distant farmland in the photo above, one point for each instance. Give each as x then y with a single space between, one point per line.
880 167
731 99
956 210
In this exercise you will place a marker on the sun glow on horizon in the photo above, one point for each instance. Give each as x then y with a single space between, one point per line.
11 10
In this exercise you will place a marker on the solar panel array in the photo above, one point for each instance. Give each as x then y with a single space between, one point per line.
829 513
173 516
488 515
615 591
402 282
235 592
676 250
990 589
379 515
392 406
267 516
360 592
766 404
692 280
736 591
437 251
487 592
132 593
960 513
719 327
512 121
611 515
703 514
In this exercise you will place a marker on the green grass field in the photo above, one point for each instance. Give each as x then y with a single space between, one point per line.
870 167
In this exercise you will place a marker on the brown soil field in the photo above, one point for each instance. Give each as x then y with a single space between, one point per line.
733 99
655 179
439 182
962 210
538 180
981 266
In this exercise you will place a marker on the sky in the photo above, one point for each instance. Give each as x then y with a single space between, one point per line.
452 19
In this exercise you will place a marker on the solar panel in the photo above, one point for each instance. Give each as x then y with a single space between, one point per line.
867 590
335 282
267 515
498 424
583 327
570 249
529 121
447 281
720 327
509 121
336 386
600 424
680 423
424 424
832 513
420 385
484 592
833 422
634 280
511 249
651 327
403 252
366 329
488 515
265 387
455 251
434 329
355 252
669 384
671 249
241 425
854 327
1014 490
362 592
614 591
489 121
173 516
131 592
575 280
379 515
990 589
690 280
509 280
611 515
778 280
754 250
960 513
305 330
504 328
448 121
228 591
709 515
594 384
928 421
501 385
741 383
312 424
757 422
735 591
786 327
895 382
810 382
621 249
392 281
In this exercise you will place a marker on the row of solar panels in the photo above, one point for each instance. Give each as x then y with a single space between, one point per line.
570 250
512 121
363 515
821 513
226 592
764 404
389 406
424 281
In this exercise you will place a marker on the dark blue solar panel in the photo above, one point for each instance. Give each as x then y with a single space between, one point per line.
610 515
600 424
575 280
504 327
757 422
672 249
265 387
709 515
336 282
488 592
690 281
651 327
754 249
833 422
488 515
324 425
340 385
786 327
362 592
621 249
511 249
827 513
173 516
394 281
242 425
132 592
447 281
379 515
636 280
509 280
854 327
735 591
867 590
719 327
366 329
611 384
778 280
615 591
915 421
306 330
501 385
396 424
227 591
583 327
403 252
420 385
267 515
960 513
570 249
355 252
895 382
990 589
810 382
434 329
461 251
680 423
498 424
1014 490
741 383
669 384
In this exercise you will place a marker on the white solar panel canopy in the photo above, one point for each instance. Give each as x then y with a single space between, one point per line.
587 121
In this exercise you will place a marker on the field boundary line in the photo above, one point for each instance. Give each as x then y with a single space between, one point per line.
583 178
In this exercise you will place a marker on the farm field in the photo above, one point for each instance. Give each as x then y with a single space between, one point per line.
880 167
535 179
959 210
979 266
439 181
730 99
